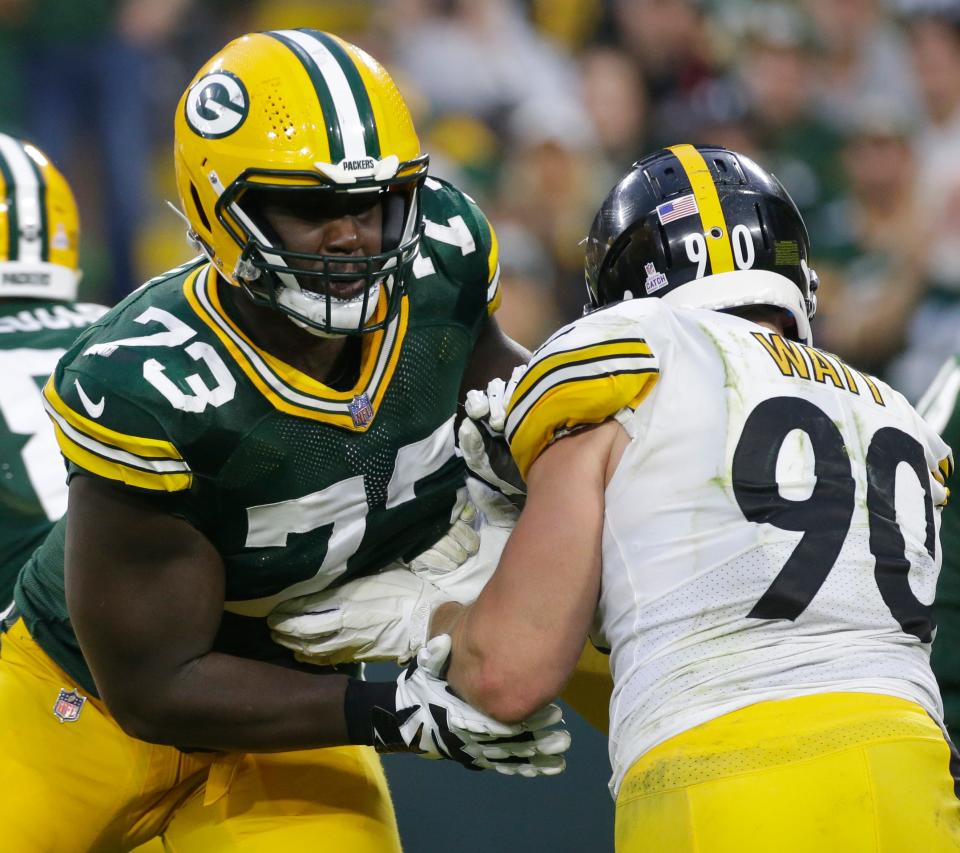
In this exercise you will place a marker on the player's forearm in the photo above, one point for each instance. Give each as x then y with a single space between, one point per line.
226 703
490 672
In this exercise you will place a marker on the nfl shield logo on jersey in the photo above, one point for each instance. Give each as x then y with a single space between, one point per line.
68 705
360 410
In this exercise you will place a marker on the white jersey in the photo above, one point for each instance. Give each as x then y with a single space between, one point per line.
771 530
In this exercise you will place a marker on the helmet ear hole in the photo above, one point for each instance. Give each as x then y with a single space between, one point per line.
195 196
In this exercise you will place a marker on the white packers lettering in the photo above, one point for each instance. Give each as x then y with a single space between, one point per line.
358 165
803 362
56 318
37 278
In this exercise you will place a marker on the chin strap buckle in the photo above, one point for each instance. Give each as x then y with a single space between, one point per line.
246 271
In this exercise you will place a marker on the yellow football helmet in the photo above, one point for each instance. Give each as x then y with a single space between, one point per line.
39 226
304 113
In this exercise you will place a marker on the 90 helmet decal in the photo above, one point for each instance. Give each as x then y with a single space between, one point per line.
701 227
308 115
39 226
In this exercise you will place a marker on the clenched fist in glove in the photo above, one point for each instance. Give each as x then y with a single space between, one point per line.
481 440
422 715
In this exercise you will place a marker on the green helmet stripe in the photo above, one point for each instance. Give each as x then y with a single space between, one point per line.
324 95
360 95
42 202
13 226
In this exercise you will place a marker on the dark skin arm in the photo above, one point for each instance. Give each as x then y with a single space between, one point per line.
145 592
494 355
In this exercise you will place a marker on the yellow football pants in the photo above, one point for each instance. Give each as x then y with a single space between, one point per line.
834 773
84 785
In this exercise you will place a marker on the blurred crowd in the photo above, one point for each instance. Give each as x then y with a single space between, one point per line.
535 107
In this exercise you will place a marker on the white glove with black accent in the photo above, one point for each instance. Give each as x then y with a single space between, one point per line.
386 616
431 721
481 440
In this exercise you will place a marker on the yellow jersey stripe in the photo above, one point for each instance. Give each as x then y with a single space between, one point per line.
147 448
719 247
636 347
494 293
587 400
493 259
946 467
113 470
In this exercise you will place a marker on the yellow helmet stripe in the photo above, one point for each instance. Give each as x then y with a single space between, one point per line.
719 247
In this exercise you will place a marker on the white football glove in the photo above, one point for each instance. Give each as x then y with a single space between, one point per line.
480 436
431 721
387 616
457 545
380 617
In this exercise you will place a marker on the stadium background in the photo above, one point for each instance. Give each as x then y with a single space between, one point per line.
535 107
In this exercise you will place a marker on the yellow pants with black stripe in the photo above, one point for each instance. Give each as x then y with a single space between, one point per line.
833 773
84 785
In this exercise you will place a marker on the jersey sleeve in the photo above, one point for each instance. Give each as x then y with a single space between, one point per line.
103 432
585 374
462 239
941 415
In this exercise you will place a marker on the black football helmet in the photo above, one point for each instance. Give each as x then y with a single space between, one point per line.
701 227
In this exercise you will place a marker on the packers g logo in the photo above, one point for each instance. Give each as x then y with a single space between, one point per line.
216 105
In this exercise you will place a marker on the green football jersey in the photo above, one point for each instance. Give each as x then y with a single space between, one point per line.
34 334
941 408
298 486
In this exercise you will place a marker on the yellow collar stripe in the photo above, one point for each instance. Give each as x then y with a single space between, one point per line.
719 247
296 379
332 406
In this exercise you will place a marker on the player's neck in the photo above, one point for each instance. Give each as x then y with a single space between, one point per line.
333 361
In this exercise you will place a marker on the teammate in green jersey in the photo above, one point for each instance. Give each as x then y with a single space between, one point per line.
941 407
39 319
269 420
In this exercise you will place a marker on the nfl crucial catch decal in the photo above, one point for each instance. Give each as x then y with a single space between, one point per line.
68 706
655 280
216 105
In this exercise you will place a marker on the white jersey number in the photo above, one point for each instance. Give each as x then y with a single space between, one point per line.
176 335
344 505
22 410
